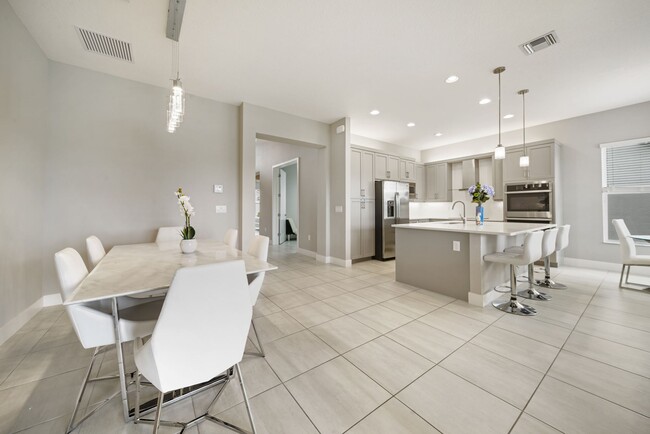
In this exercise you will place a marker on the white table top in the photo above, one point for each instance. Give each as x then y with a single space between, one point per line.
487 228
138 268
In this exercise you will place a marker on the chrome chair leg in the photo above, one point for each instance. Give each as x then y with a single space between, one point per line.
547 282
243 391
156 425
531 293
81 392
513 306
259 342
136 415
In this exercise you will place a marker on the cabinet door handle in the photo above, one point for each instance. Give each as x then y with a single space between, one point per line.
363 192
388 173
407 174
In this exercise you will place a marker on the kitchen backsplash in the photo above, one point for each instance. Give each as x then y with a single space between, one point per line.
442 210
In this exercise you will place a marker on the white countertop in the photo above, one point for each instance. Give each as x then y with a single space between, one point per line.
487 228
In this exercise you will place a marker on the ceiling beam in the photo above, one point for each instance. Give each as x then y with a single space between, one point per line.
175 18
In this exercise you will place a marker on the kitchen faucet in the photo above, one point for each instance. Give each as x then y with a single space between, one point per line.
464 216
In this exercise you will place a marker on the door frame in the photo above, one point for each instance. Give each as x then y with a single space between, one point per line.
275 191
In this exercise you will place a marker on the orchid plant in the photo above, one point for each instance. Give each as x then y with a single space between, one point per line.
187 210
480 193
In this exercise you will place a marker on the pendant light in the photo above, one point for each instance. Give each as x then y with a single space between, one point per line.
176 107
524 160
499 151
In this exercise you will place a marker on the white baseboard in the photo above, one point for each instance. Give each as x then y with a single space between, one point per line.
52 300
16 323
306 252
601 265
482 300
341 262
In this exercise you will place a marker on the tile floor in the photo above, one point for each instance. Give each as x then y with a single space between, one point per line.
350 350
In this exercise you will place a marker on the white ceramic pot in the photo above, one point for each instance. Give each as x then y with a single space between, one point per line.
188 246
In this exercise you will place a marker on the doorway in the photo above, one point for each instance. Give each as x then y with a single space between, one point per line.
286 217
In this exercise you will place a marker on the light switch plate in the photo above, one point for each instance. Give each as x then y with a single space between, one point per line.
338 208
456 246
218 188
221 209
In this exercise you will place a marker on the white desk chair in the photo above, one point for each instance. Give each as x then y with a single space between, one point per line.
201 332
259 248
548 247
561 243
531 252
95 250
93 321
231 238
172 233
629 256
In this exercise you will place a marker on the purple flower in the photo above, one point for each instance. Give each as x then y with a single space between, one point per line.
472 189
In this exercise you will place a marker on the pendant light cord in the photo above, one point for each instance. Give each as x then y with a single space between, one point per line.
523 100
499 108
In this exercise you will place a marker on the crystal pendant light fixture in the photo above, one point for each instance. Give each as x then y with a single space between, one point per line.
499 151
524 160
176 107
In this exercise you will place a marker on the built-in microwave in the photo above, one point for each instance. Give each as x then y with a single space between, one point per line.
529 201
412 191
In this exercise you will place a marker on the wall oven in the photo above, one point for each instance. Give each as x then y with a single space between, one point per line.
529 202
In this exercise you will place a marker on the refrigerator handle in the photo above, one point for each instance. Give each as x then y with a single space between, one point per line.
396 208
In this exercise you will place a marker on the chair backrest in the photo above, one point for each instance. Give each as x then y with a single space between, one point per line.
171 233
203 325
70 269
95 250
533 246
628 249
548 241
562 237
231 238
259 248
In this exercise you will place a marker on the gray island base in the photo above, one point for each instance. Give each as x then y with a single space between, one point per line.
425 256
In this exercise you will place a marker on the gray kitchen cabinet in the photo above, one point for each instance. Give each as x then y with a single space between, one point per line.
407 170
362 181
386 167
541 167
362 228
438 181
420 182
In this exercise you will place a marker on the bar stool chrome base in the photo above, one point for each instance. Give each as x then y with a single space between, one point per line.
533 294
547 282
514 307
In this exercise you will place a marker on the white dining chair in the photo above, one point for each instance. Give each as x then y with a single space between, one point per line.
95 250
629 257
231 238
170 233
259 247
201 332
93 321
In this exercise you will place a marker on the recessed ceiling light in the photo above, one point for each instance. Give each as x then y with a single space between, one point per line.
374 112
438 134
509 116
451 79
485 101
410 124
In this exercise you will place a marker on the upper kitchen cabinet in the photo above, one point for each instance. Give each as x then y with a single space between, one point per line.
438 181
420 182
542 163
362 182
407 170
386 167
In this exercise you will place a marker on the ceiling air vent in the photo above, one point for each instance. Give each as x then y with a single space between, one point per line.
102 44
539 43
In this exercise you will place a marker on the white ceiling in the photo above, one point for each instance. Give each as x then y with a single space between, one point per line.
332 58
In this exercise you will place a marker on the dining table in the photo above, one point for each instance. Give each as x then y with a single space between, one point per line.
149 268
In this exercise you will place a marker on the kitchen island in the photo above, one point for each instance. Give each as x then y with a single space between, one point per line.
447 257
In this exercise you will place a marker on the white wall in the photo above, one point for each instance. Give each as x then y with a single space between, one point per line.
389 148
112 167
292 190
23 135
580 168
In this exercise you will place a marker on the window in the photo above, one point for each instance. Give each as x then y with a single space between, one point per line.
626 186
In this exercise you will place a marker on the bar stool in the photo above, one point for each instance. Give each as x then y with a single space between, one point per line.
231 238
561 242
95 249
548 247
169 233
531 252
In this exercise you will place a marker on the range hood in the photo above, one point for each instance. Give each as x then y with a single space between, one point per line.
470 173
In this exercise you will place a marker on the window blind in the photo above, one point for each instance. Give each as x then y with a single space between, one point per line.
628 166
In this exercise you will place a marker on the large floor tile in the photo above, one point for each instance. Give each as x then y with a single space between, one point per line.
377 294
453 405
538 330
617 317
617 333
336 395
388 363
348 303
502 377
381 318
431 297
547 314
570 409
7 366
20 343
264 307
297 353
278 287
44 319
292 299
54 426
529 425
313 314
611 353
409 306
393 418
344 333
326 290
306 282
55 337
487 314
455 324
351 284
528 352
621 387
276 326
425 340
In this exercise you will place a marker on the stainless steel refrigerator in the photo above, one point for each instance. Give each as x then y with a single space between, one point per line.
391 207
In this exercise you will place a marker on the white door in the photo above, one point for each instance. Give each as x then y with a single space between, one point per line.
282 207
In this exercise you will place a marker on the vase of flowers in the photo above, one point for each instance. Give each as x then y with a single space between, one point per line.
188 243
480 194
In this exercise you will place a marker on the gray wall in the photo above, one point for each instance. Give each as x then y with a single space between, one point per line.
23 134
340 190
112 167
580 167
269 154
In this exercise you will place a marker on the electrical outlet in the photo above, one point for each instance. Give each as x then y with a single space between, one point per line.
338 208
309 237
456 246
221 209
217 188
